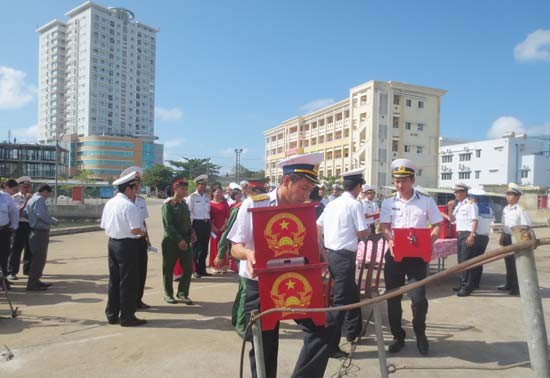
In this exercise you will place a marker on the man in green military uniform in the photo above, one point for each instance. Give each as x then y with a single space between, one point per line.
176 243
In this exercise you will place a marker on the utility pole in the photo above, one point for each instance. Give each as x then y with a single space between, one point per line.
238 152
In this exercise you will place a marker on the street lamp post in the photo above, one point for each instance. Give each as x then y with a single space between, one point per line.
238 152
56 169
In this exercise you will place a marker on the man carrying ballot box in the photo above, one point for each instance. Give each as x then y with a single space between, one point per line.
407 209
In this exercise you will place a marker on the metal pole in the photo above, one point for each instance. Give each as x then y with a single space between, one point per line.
380 340
258 346
237 165
56 164
531 303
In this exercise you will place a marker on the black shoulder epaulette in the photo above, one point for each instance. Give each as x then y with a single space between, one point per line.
259 197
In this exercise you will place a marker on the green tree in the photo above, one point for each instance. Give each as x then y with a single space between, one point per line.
190 168
245 173
158 176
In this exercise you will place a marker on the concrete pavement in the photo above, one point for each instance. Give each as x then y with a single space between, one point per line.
63 332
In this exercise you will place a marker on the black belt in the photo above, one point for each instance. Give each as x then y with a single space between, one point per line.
124 239
463 232
6 226
201 220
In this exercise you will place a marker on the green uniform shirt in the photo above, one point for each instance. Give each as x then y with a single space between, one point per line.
176 220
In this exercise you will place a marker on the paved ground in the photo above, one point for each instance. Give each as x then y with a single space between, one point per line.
63 332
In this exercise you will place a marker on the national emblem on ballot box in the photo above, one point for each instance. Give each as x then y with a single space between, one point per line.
287 262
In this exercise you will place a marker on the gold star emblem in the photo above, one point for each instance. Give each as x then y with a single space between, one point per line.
284 225
290 284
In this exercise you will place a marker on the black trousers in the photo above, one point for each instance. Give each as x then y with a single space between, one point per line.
20 243
313 357
480 245
414 269
200 248
142 268
5 242
510 262
341 265
470 277
123 279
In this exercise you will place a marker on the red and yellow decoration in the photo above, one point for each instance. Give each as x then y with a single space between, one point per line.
285 234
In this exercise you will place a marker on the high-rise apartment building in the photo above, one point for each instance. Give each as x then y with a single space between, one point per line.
377 123
97 78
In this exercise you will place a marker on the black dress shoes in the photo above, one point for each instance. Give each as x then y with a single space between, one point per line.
338 353
514 291
463 292
113 321
142 306
457 288
397 345
135 322
422 344
503 287
36 288
44 284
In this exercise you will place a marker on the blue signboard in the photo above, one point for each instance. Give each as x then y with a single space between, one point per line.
107 192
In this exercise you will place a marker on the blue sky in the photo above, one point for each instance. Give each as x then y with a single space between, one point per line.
228 70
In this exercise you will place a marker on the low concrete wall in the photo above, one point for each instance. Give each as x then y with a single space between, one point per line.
74 230
76 211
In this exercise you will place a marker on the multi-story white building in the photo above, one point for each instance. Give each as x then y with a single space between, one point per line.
512 158
377 123
97 76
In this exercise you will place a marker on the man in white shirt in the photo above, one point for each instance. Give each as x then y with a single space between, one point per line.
123 225
407 209
368 198
299 178
9 221
21 237
199 207
512 215
465 215
486 217
340 227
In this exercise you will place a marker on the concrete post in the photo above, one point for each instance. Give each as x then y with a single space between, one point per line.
258 346
531 303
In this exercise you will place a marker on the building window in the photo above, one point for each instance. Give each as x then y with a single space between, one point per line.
447 176
478 153
419 149
407 148
396 99
420 127
464 175
524 173
395 122
420 104
477 174
407 125
465 157
395 146
409 103
447 159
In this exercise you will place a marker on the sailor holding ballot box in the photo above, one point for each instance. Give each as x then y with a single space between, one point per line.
407 209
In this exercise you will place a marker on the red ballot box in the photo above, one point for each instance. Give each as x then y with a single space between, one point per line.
293 287
412 242
447 230
287 262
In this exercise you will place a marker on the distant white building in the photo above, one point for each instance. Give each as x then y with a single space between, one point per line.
512 158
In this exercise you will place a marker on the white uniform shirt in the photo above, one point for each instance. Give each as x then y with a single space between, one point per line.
120 216
143 213
199 206
243 229
370 208
484 223
9 214
465 213
341 220
20 202
416 212
514 215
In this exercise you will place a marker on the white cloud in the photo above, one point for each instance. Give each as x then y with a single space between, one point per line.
508 124
167 115
29 134
173 143
316 104
535 47
14 92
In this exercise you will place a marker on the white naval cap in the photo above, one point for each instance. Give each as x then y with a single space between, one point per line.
23 180
368 188
335 186
131 169
460 186
201 179
304 164
477 192
243 183
234 185
128 179
514 188
403 168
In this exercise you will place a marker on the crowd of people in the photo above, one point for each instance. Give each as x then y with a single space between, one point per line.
210 232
